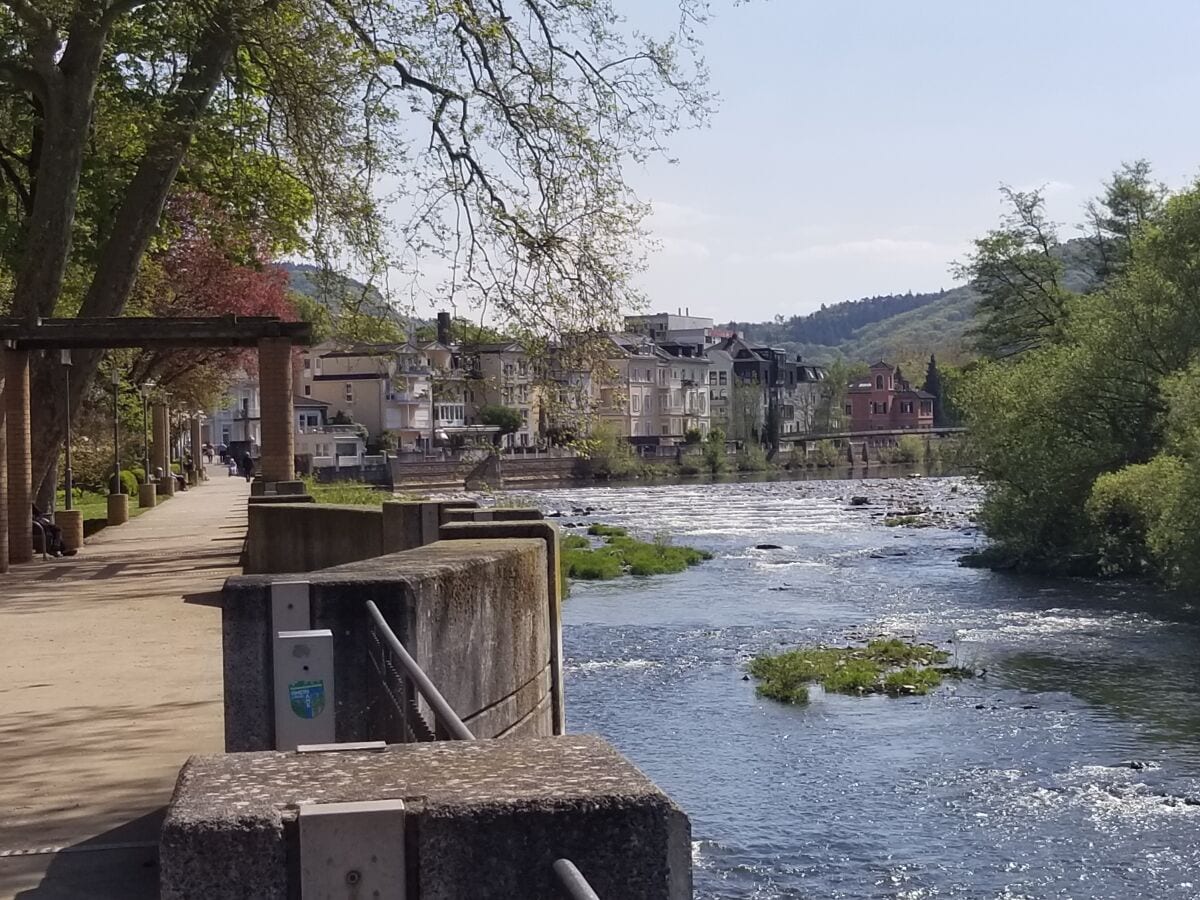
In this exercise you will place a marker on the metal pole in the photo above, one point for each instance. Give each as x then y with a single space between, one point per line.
116 434
70 483
571 880
146 434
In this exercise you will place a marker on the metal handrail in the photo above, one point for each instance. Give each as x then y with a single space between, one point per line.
444 712
572 882
42 528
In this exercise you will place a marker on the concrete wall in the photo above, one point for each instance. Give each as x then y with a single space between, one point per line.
285 537
475 614
483 820
302 537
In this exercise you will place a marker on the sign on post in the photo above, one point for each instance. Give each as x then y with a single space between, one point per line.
304 689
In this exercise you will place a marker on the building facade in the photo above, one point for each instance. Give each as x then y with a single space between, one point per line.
885 401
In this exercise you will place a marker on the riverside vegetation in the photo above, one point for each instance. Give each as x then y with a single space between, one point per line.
1084 413
885 666
618 554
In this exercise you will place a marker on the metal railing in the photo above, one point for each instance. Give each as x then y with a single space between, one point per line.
45 541
404 685
574 886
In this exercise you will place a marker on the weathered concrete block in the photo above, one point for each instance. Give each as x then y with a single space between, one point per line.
147 496
301 537
548 533
493 514
484 820
409 524
476 616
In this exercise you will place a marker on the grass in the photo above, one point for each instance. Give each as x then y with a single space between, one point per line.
620 554
890 666
351 493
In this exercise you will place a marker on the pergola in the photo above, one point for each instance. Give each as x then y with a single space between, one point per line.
272 337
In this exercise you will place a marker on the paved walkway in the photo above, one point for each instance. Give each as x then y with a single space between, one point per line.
110 677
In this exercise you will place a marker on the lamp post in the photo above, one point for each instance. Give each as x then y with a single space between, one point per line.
145 390
65 358
116 384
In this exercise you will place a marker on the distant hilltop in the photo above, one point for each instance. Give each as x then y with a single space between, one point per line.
893 325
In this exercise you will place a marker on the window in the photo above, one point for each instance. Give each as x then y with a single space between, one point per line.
906 406
308 390
649 402
665 429
712 378
307 364
637 402
508 370
637 429
723 376
349 392
525 417
879 382
523 367
849 409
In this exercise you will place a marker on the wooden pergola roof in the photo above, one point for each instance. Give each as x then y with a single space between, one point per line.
149 332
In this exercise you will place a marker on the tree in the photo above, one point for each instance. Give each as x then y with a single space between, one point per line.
291 112
507 418
1130 200
933 385
1017 273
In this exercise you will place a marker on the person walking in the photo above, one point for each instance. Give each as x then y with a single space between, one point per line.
248 467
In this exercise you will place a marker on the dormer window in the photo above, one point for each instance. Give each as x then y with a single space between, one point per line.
879 382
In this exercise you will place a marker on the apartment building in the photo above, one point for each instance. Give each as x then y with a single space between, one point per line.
236 419
501 374
383 387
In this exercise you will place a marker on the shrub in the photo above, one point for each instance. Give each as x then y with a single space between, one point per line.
129 482
752 458
574 542
139 474
853 676
910 449
591 565
714 451
609 454
826 454
692 436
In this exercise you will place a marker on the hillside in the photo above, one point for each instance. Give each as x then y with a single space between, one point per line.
901 325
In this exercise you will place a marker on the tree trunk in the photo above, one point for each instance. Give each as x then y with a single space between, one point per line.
135 224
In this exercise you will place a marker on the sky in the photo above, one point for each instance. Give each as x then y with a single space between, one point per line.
859 146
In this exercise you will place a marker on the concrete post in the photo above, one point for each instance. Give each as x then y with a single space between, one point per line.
118 509
160 439
197 455
19 455
275 405
147 496
3 471
71 523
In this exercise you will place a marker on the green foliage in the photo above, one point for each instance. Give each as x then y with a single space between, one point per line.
713 451
621 554
692 436
601 530
505 417
1087 440
910 449
129 482
610 454
826 454
752 458
911 680
890 666
346 493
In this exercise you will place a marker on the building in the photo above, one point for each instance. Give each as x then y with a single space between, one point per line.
770 395
885 401
666 327
237 421
386 388
320 445
501 374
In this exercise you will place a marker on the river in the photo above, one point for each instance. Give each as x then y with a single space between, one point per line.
1070 769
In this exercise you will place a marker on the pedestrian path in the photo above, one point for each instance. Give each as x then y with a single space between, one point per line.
110 677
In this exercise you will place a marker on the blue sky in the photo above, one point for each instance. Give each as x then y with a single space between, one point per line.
859 146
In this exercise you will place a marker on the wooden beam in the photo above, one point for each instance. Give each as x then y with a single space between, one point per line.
150 332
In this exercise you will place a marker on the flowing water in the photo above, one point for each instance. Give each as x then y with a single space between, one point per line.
1070 769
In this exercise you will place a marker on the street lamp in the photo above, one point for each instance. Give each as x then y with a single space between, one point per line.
65 358
145 390
116 383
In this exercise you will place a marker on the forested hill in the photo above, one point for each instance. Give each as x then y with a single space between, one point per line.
900 325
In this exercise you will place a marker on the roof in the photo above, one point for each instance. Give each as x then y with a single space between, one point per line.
920 395
298 402
882 365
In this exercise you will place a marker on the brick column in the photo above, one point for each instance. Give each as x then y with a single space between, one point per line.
3 471
20 456
275 408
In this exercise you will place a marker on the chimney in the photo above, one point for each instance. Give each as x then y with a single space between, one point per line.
443 328
687 310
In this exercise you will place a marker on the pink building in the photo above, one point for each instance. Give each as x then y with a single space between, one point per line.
885 401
